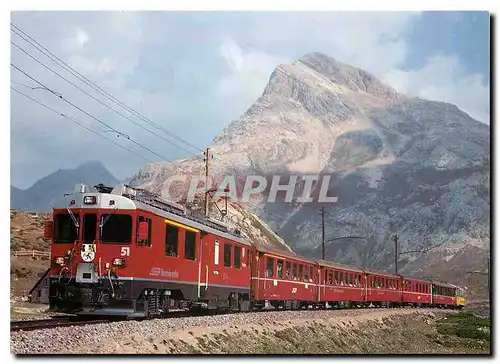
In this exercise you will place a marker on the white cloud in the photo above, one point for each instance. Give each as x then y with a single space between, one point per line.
249 73
444 78
78 39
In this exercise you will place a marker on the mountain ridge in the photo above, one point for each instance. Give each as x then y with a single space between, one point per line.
49 189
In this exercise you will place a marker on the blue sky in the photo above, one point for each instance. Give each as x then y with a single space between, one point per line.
193 73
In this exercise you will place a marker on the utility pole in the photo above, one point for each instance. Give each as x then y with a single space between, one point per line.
396 252
207 166
323 233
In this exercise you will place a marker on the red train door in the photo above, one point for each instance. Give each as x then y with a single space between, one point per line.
255 284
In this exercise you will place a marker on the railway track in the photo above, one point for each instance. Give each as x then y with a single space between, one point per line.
29 325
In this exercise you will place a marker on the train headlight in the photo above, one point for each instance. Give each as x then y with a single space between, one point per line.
118 262
59 260
90 200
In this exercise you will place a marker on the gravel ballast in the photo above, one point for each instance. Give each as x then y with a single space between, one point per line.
127 336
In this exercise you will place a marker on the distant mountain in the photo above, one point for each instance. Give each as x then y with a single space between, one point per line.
45 192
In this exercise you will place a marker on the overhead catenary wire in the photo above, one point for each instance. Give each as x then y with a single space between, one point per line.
75 121
92 84
87 113
94 98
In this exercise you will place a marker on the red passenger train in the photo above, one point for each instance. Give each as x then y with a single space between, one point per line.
123 251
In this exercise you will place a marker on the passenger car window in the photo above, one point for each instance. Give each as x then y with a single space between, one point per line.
190 245
227 254
288 270
294 272
237 256
300 272
279 268
171 240
270 267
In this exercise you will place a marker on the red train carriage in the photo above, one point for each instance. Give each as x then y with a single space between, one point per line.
122 253
416 292
283 279
340 284
382 288
443 294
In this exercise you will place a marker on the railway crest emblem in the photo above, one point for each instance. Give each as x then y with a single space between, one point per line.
88 252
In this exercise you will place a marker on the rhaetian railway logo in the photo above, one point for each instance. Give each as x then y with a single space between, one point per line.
274 188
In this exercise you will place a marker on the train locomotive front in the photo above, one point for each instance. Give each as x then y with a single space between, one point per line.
91 237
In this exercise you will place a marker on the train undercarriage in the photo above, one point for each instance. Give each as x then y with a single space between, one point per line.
136 299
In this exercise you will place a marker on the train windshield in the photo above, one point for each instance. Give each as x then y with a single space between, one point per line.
116 229
65 230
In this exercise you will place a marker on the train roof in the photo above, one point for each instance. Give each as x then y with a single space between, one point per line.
443 284
126 197
407 278
386 274
326 263
281 252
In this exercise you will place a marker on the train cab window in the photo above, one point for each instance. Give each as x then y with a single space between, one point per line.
270 267
171 241
294 271
288 271
190 245
116 229
306 273
300 272
64 229
89 227
279 268
330 277
227 254
237 257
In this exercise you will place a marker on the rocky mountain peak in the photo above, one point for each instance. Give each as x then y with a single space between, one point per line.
317 69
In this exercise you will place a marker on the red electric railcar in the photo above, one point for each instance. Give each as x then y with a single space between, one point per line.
119 253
